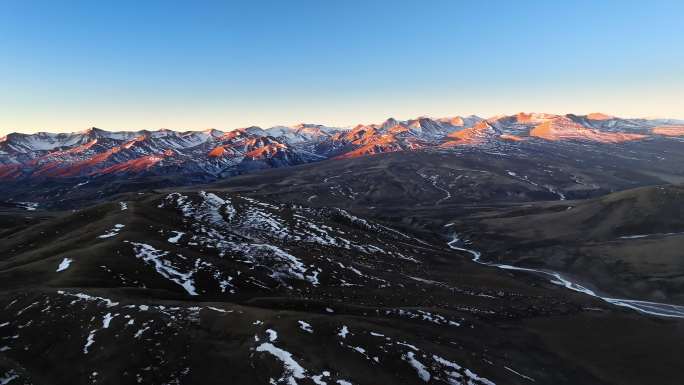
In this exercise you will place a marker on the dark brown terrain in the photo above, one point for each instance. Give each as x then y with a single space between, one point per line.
342 272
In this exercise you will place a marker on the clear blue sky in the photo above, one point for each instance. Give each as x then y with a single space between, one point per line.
67 65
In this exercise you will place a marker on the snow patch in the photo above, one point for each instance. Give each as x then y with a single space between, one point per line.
165 268
66 262
423 373
305 326
343 332
107 320
89 341
176 237
272 335
28 206
8 377
293 370
113 232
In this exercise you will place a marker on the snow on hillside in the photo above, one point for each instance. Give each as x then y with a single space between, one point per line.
214 153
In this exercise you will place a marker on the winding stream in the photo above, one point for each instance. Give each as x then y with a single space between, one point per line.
646 307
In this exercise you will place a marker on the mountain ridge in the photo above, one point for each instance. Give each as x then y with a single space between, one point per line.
217 153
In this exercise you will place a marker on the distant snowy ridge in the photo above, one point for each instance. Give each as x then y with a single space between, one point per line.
212 153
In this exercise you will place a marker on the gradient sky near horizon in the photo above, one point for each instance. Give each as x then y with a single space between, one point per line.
68 65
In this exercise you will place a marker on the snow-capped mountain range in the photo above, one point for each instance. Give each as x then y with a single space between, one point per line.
214 153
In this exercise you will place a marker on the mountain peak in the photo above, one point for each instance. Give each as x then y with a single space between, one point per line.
389 123
94 131
599 116
564 128
533 117
212 151
307 125
454 121
212 132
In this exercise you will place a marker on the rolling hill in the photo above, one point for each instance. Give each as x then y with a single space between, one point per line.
132 290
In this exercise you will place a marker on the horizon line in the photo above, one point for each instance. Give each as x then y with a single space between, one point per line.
495 116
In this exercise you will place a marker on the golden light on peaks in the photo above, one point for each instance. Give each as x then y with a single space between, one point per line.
599 116
677 130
